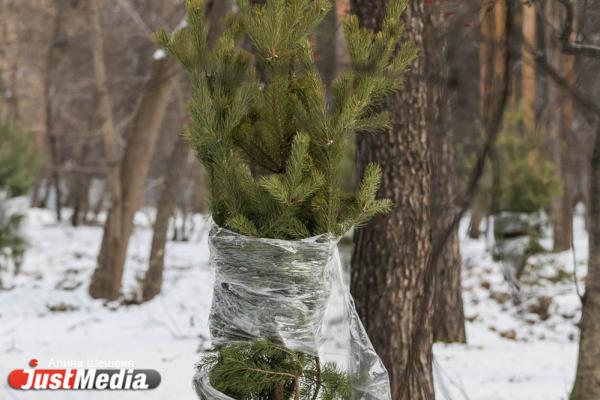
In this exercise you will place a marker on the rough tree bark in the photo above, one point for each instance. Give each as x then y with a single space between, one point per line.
449 317
392 252
560 120
587 381
126 187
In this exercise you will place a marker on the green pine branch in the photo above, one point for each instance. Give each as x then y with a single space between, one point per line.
270 141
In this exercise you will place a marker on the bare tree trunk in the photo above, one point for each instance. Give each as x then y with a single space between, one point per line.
528 75
127 181
563 238
109 132
101 285
486 79
154 276
587 382
175 170
559 127
79 190
106 281
79 186
50 134
475 223
449 317
391 253
486 56
500 41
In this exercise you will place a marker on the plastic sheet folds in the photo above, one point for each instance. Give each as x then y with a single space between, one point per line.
289 292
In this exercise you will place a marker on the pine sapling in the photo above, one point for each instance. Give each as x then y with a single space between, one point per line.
273 146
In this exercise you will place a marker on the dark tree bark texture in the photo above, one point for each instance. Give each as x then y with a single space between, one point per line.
391 253
449 317
587 381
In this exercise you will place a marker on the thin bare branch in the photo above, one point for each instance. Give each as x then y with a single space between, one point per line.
136 17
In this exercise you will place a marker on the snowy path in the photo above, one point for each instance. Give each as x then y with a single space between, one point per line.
49 316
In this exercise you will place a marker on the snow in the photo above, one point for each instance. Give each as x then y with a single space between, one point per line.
47 314
540 362
159 54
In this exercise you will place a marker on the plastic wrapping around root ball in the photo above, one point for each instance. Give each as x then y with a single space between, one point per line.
293 293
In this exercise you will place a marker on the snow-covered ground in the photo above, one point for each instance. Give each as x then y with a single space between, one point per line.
523 352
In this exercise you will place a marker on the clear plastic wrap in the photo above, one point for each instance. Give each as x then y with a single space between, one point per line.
514 235
290 292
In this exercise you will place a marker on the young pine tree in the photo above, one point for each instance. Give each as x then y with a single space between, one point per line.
273 147
18 165
260 123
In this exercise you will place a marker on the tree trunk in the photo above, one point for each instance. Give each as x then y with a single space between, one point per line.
500 44
109 132
154 276
391 253
587 382
560 120
80 198
166 204
528 76
449 317
563 238
128 189
79 188
50 133
486 79
486 57
102 285
475 223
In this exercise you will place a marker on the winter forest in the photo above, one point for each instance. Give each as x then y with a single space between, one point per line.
300 199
